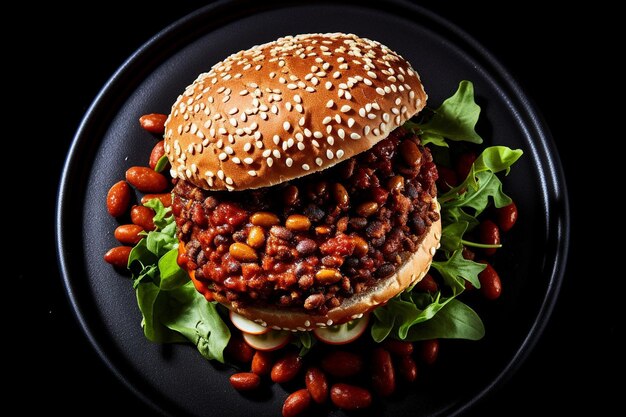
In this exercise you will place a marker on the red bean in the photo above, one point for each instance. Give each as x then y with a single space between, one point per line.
489 234
143 216
430 351
447 178
262 363
153 123
350 397
383 376
146 180
118 256
341 363
490 284
296 403
464 164
245 381
506 217
408 368
166 198
286 368
128 234
398 347
157 152
118 199
239 350
317 384
427 284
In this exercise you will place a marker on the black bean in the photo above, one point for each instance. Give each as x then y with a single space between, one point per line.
306 246
314 213
357 223
385 270
281 232
417 224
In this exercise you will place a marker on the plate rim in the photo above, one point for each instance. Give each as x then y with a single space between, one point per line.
235 10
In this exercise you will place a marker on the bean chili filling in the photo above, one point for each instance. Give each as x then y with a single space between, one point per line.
311 242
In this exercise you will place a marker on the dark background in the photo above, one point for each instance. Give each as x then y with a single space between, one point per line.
551 53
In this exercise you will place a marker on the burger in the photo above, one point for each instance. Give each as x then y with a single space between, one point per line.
300 200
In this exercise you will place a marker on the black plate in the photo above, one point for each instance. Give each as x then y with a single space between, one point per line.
176 379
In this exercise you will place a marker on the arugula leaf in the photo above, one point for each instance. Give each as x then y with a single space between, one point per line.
456 270
452 235
455 119
455 320
304 341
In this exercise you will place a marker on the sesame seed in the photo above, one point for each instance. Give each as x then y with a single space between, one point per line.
328 85
302 121
350 122
371 116
327 120
336 74
306 167
276 153
372 74
355 136
236 160
380 91
234 110
286 126
292 86
229 150
252 173
290 142
289 162
340 93
297 98
299 108
330 104
319 161
341 133
299 137
270 162
310 89
248 160
229 181
220 174
340 153
345 108
300 146
398 101
330 140
386 117
315 143
222 156
247 147
307 133
366 130
329 154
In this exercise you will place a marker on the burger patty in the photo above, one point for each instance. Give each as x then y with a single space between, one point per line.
311 242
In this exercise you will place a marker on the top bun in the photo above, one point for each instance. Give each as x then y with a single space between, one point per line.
288 108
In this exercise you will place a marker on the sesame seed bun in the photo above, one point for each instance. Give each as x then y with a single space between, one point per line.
410 273
288 108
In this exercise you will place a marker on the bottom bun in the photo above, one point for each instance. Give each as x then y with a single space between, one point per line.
411 272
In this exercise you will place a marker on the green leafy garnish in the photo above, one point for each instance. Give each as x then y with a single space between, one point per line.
454 120
304 341
161 163
415 315
173 310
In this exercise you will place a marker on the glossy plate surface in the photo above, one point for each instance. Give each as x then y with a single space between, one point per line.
176 379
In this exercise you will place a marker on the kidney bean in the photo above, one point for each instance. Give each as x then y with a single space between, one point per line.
427 284
408 368
350 397
261 363
506 217
118 199
367 209
298 222
128 234
242 252
286 368
264 218
256 237
317 384
341 363
146 180
410 153
395 184
468 253
326 276
153 122
296 403
361 247
464 164
239 350
341 195
447 178
143 216
245 381
383 376
489 234
166 198
118 256
290 195
398 347
430 351
157 152
490 284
